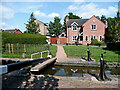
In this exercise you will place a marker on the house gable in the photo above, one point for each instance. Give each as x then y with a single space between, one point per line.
74 23
93 28
95 18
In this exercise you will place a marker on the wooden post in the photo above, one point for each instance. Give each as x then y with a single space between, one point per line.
24 48
12 48
9 48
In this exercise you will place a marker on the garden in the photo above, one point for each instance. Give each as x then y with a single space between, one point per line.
81 51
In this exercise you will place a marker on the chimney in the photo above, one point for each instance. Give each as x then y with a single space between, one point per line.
67 18
106 24
15 30
1 30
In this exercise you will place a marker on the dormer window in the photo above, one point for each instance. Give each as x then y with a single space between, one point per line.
93 27
74 26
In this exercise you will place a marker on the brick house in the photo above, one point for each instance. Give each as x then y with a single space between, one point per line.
11 31
84 30
42 29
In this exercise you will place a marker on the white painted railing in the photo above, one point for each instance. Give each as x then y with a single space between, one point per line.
41 54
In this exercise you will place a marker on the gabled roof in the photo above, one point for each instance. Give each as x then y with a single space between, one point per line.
80 22
42 22
11 30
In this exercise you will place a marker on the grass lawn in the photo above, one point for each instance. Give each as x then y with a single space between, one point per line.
53 50
81 51
30 49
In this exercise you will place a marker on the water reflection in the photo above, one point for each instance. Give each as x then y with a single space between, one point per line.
61 72
79 71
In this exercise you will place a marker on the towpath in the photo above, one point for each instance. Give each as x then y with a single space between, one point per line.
62 56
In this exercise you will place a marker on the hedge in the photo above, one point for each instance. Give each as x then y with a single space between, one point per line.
23 38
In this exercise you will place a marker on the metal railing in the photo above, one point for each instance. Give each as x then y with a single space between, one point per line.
40 53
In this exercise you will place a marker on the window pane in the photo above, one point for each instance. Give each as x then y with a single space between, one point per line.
81 38
92 37
74 38
100 38
74 27
93 27
86 38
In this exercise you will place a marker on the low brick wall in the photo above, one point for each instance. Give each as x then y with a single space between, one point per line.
88 64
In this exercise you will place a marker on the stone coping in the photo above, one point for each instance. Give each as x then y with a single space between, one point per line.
89 64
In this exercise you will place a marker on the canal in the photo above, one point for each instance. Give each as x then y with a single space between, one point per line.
72 71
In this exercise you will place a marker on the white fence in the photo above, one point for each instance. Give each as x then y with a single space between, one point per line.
41 54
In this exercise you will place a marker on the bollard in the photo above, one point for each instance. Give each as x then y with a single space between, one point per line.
102 68
88 54
24 55
102 75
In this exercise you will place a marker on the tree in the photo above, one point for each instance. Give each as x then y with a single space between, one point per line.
103 18
70 16
55 27
25 31
32 25
114 28
98 17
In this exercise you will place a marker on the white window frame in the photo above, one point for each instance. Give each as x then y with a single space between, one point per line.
93 37
73 25
99 38
73 37
93 26
87 38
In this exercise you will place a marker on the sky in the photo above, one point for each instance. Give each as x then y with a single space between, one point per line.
16 14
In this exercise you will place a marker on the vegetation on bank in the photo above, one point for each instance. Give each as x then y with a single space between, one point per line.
81 51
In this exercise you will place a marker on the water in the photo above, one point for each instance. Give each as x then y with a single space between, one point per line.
71 71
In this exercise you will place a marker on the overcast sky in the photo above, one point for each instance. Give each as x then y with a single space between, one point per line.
15 14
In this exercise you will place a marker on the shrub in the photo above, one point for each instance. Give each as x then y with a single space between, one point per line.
94 42
102 43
